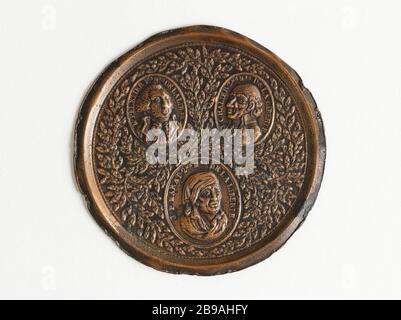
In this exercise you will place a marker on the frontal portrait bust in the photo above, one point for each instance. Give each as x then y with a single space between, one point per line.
156 105
203 217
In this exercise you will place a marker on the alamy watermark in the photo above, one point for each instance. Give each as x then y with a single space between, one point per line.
207 146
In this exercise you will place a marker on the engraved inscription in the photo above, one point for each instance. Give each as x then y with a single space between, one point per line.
154 101
199 211
245 101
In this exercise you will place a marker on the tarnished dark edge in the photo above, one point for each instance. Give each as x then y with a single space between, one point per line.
194 270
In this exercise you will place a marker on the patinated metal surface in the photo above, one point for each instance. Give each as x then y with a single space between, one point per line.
199 219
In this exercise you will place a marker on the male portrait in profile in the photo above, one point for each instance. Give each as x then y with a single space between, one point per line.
203 217
243 108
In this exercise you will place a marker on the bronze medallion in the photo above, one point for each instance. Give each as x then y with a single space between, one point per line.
186 212
186 198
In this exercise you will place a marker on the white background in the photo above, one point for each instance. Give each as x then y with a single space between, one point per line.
348 54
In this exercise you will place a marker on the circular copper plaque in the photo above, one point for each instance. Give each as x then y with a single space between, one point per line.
195 212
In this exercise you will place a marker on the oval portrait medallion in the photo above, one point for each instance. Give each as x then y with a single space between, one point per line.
245 101
154 102
199 151
202 204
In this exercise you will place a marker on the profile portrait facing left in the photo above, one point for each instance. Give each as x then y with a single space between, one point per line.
244 106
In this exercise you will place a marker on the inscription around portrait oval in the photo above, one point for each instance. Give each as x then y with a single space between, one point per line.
198 79
202 204
154 101
245 101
